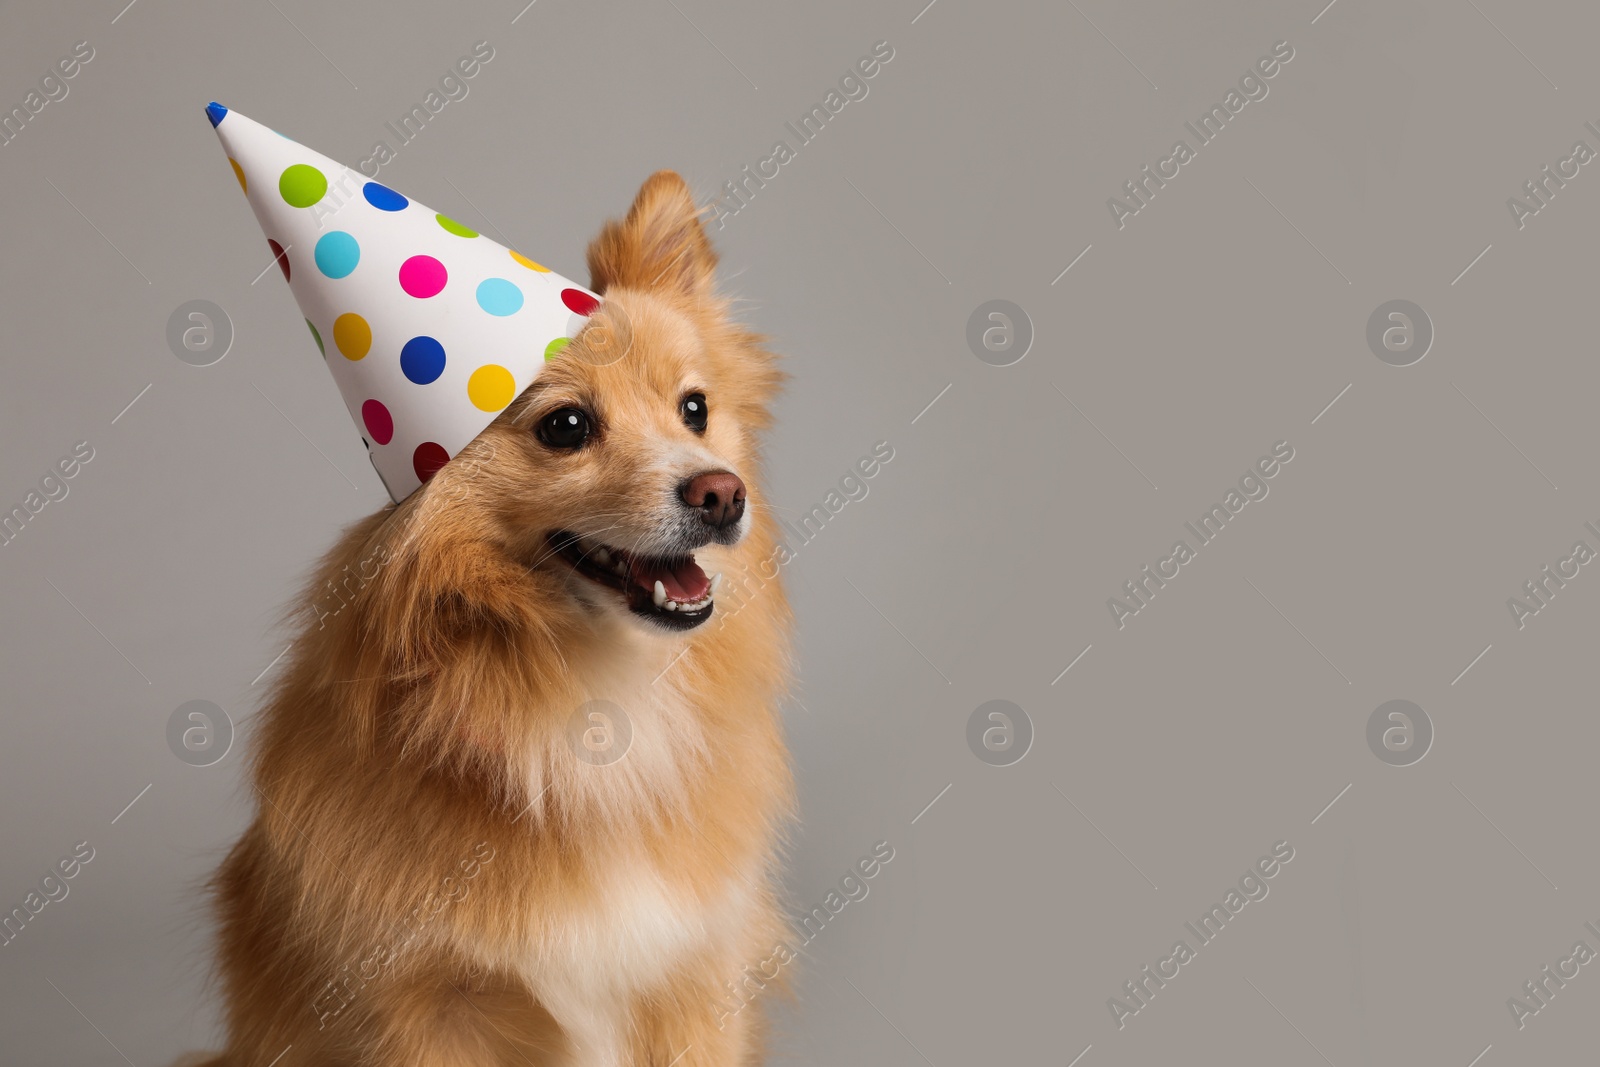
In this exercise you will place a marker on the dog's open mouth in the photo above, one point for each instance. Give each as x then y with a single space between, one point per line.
670 590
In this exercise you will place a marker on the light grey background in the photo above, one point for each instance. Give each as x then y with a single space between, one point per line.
1223 318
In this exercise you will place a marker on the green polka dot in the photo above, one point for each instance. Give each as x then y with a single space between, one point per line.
452 226
553 349
318 338
302 186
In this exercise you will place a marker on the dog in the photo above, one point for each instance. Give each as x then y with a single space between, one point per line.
521 796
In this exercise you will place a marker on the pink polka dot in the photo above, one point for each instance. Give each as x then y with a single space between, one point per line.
379 423
577 301
422 277
427 460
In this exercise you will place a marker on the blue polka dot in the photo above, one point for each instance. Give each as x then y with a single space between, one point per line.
382 197
337 254
499 297
422 359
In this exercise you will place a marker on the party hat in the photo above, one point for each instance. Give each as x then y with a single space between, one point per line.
430 329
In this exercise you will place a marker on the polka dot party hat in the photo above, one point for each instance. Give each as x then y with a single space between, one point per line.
430 329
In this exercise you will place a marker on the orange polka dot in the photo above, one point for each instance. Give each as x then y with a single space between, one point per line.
352 335
526 262
491 387
238 172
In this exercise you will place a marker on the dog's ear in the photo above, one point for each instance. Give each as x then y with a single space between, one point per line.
659 246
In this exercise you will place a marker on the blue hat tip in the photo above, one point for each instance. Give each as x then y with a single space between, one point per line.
215 112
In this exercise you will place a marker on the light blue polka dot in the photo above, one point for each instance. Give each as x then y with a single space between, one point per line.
499 297
337 254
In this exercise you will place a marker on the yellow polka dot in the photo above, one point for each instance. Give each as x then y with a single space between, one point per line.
491 387
553 349
526 262
238 172
352 335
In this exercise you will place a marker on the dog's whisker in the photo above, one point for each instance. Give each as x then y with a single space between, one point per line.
574 540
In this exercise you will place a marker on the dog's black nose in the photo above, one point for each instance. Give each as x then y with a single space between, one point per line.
717 495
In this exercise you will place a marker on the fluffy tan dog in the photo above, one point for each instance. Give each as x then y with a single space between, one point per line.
520 790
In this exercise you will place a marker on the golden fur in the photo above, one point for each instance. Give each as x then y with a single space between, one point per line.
434 876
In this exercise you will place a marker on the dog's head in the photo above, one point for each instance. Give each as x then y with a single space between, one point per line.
624 476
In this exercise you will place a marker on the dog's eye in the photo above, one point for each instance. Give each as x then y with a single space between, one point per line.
566 428
694 412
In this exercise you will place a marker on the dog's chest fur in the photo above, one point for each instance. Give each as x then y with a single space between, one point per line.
603 952
591 952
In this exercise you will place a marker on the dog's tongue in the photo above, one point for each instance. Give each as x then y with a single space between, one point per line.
683 579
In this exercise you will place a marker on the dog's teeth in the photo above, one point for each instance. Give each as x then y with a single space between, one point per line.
671 605
660 594
602 557
716 583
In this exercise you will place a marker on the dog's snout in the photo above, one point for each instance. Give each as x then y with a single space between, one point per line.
717 495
